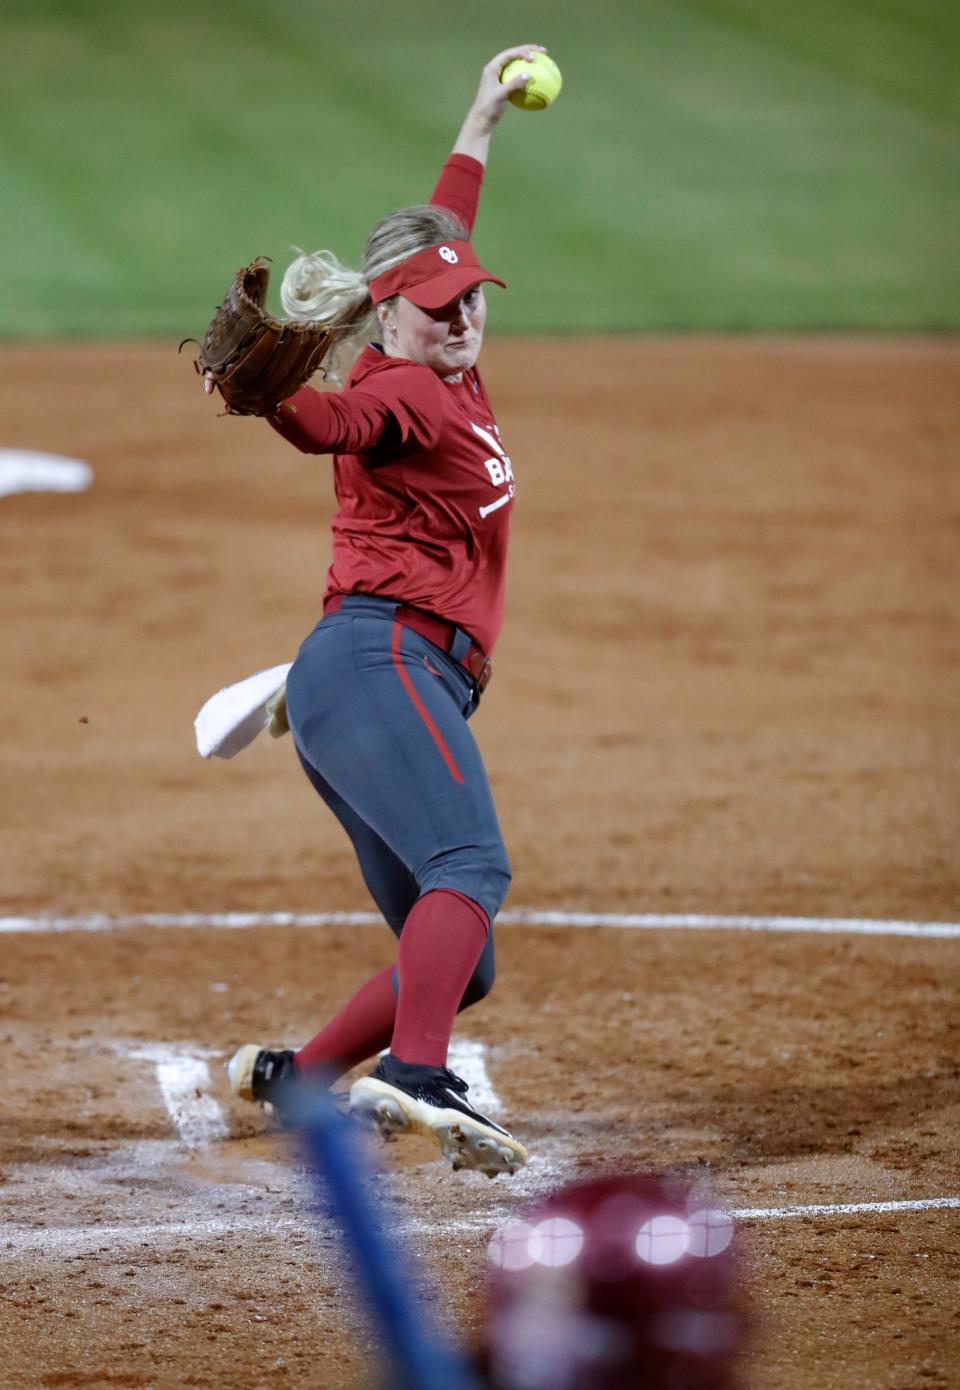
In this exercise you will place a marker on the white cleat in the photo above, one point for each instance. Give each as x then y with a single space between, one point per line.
268 1078
400 1096
240 1070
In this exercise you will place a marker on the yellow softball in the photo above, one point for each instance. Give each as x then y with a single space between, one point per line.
544 84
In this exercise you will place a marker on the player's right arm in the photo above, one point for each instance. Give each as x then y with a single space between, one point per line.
458 188
490 102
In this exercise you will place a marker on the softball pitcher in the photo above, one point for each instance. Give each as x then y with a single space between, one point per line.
380 693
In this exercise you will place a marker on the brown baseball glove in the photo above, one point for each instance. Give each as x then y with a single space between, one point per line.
257 360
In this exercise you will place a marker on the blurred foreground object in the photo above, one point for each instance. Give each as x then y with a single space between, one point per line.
620 1283
417 1354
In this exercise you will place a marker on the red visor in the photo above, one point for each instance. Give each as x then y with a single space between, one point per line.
433 276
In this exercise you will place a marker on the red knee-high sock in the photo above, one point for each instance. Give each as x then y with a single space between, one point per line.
440 945
361 1028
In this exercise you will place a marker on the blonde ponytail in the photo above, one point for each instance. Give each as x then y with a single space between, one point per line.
319 286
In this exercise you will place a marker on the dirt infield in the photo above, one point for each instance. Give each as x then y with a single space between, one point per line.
728 684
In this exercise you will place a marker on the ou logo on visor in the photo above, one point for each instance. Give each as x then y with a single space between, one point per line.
449 255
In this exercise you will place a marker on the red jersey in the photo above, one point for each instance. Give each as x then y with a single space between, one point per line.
424 486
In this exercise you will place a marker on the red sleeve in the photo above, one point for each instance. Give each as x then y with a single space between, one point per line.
320 422
400 410
458 188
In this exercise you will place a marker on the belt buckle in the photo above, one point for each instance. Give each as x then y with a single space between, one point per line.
486 671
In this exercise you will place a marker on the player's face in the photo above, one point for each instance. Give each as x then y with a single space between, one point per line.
446 340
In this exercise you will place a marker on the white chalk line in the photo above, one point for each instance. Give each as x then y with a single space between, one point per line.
654 921
106 1239
842 1209
184 1080
747 1214
76 1240
527 917
468 1059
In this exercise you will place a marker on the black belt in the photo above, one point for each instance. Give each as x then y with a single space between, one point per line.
447 636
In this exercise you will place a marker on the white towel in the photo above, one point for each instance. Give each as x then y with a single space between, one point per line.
234 716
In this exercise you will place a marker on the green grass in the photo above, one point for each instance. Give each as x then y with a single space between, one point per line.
746 164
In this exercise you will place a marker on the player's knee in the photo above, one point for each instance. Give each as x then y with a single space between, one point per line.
499 880
492 888
485 880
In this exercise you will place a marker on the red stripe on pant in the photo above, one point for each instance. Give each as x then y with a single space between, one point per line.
421 708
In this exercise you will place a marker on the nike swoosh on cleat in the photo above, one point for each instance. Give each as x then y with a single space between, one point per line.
458 1102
